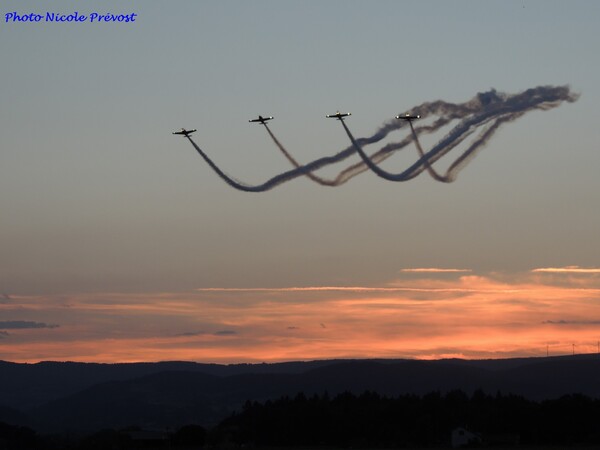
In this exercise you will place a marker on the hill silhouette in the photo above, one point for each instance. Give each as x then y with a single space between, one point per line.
25 386
87 397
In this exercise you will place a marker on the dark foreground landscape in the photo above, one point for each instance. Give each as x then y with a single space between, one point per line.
339 403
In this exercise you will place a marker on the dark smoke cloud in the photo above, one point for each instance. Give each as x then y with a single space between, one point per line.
191 334
225 333
488 110
21 324
571 322
204 333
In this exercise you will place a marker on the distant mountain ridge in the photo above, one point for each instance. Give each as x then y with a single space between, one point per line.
24 386
82 396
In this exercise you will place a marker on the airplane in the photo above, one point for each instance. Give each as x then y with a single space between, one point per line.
262 119
408 117
338 115
184 132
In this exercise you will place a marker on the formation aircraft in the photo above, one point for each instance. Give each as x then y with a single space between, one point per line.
261 119
408 117
184 132
338 115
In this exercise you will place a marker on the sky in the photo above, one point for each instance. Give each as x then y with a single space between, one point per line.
119 243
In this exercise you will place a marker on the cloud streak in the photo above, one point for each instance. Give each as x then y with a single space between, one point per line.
319 289
434 270
568 270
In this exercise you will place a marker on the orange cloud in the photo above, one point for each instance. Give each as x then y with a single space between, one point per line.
472 316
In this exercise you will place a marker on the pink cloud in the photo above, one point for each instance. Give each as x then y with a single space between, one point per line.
469 316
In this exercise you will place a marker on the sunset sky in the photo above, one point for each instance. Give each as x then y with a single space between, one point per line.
119 243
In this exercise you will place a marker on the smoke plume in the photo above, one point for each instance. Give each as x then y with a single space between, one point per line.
485 113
